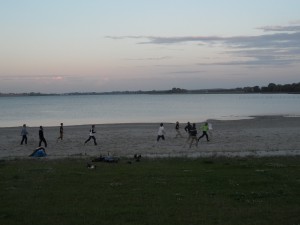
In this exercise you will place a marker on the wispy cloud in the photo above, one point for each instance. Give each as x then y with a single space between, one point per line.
281 46
168 40
35 77
283 40
269 56
150 59
187 72
280 28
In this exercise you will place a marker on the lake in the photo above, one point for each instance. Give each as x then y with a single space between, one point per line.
141 108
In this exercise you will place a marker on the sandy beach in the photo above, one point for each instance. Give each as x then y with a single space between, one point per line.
260 136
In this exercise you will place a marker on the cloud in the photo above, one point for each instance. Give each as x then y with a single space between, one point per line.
34 77
291 28
261 61
167 40
280 40
187 72
57 78
151 59
283 40
281 46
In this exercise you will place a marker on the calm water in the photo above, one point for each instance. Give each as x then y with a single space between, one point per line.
71 110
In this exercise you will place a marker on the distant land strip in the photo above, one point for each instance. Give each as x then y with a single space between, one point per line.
293 88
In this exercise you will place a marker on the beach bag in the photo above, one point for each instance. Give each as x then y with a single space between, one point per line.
39 153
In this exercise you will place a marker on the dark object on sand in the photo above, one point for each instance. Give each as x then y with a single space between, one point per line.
137 157
39 152
90 166
109 159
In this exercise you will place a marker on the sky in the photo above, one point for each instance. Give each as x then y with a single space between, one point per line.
59 46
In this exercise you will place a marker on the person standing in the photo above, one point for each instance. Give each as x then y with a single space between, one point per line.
61 132
193 135
204 132
42 138
178 133
92 132
24 134
161 132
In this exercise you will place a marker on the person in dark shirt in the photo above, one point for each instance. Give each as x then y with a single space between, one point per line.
193 135
61 132
178 133
42 138
187 129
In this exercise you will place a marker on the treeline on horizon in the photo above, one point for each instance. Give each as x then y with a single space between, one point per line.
271 88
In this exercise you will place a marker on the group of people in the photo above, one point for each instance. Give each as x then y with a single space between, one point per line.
24 134
190 129
42 139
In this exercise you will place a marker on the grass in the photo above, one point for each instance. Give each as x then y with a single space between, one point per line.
163 191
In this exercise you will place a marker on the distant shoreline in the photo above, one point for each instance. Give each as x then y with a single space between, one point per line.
270 89
91 94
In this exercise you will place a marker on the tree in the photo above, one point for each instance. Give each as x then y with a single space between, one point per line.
271 87
256 89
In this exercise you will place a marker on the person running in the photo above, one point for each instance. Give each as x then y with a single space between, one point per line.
92 132
204 129
193 135
187 129
42 138
61 132
24 134
161 132
178 133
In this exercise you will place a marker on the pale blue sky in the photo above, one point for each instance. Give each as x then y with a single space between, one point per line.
71 45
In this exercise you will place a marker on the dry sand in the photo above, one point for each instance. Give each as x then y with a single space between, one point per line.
260 136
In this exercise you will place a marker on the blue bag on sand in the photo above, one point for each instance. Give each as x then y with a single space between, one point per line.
39 153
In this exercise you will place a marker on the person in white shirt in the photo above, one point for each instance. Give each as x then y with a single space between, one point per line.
161 132
92 132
